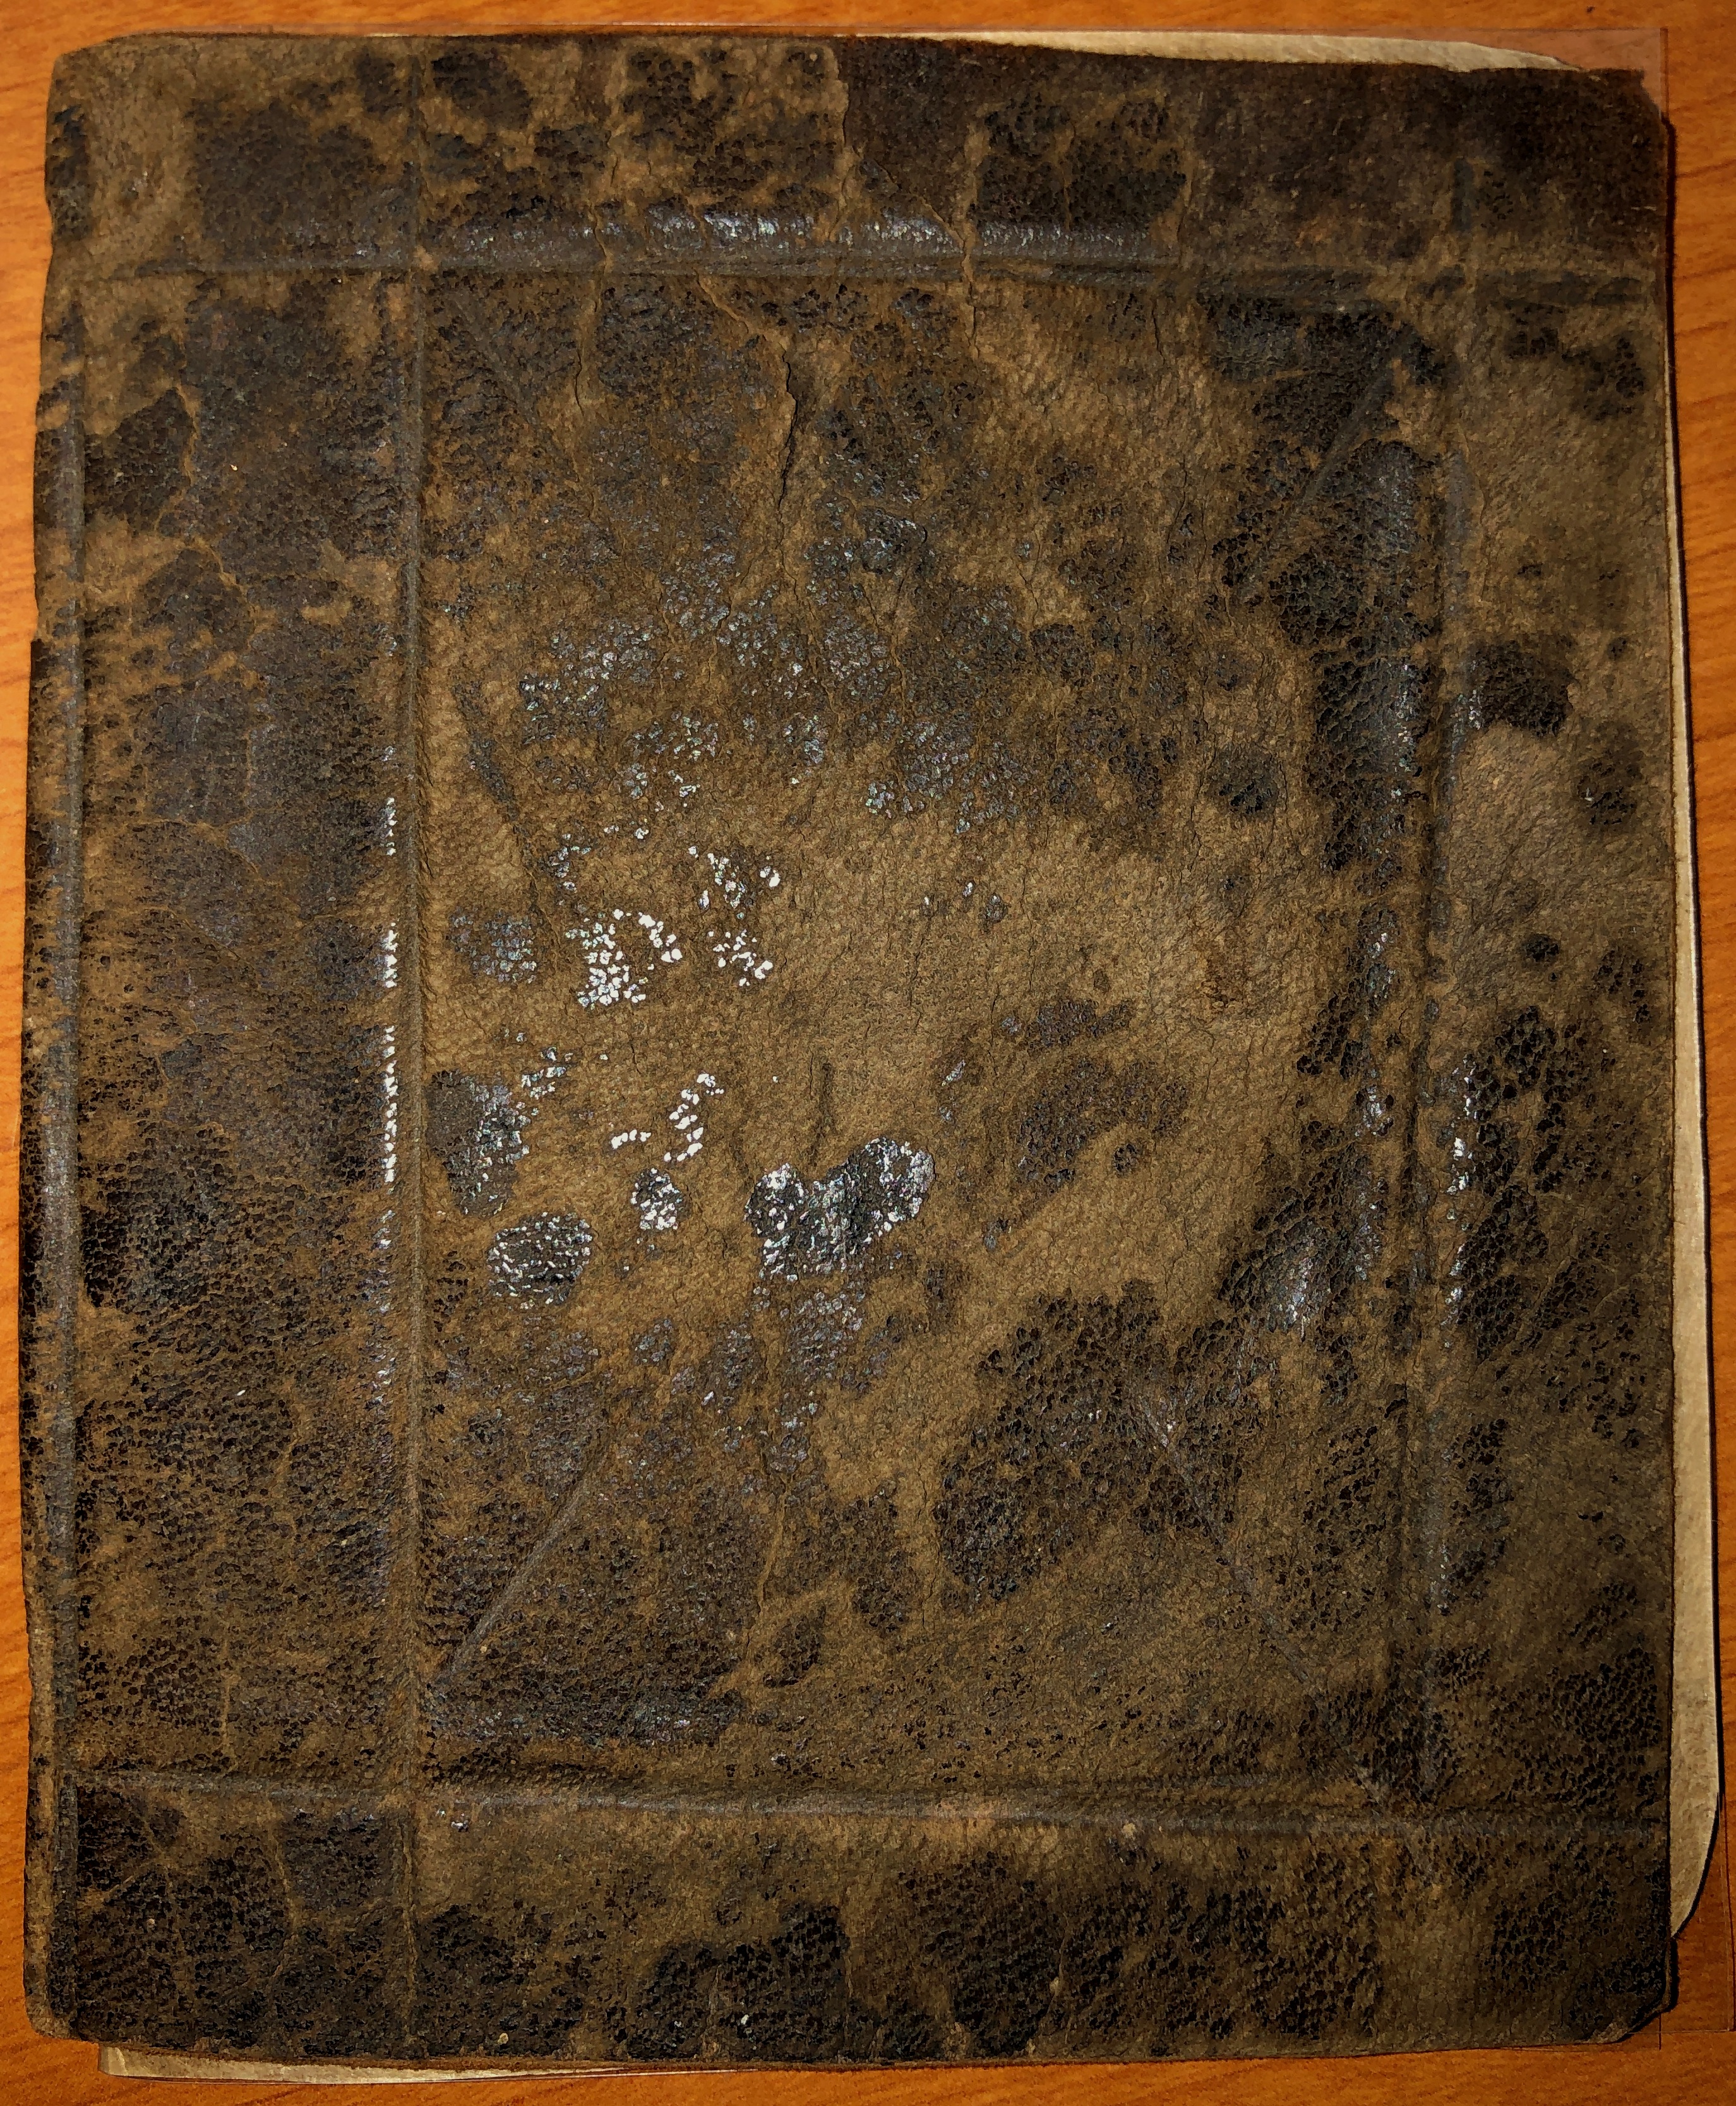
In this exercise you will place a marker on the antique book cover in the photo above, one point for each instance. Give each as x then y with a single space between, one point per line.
856 965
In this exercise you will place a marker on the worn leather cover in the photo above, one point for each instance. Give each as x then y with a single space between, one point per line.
849 1054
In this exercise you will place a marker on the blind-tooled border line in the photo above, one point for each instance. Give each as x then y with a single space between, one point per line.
1162 1814
407 1582
49 1258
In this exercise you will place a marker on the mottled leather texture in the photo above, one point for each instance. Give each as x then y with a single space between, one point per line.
850 1072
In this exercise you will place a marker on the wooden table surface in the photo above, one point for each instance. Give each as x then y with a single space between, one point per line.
1691 2054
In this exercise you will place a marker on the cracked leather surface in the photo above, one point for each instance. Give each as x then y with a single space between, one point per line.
850 1080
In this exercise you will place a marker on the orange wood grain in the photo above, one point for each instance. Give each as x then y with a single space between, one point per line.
1691 2054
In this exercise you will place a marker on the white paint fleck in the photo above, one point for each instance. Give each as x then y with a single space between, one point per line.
685 1119
667 947
539 1082
659 1201
611 975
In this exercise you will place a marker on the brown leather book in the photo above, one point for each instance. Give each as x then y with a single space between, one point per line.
860 984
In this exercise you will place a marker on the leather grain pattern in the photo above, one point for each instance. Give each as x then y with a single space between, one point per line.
848 1054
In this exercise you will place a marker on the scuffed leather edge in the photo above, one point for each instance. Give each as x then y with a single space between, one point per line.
48 1261
1301 47
200 2068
